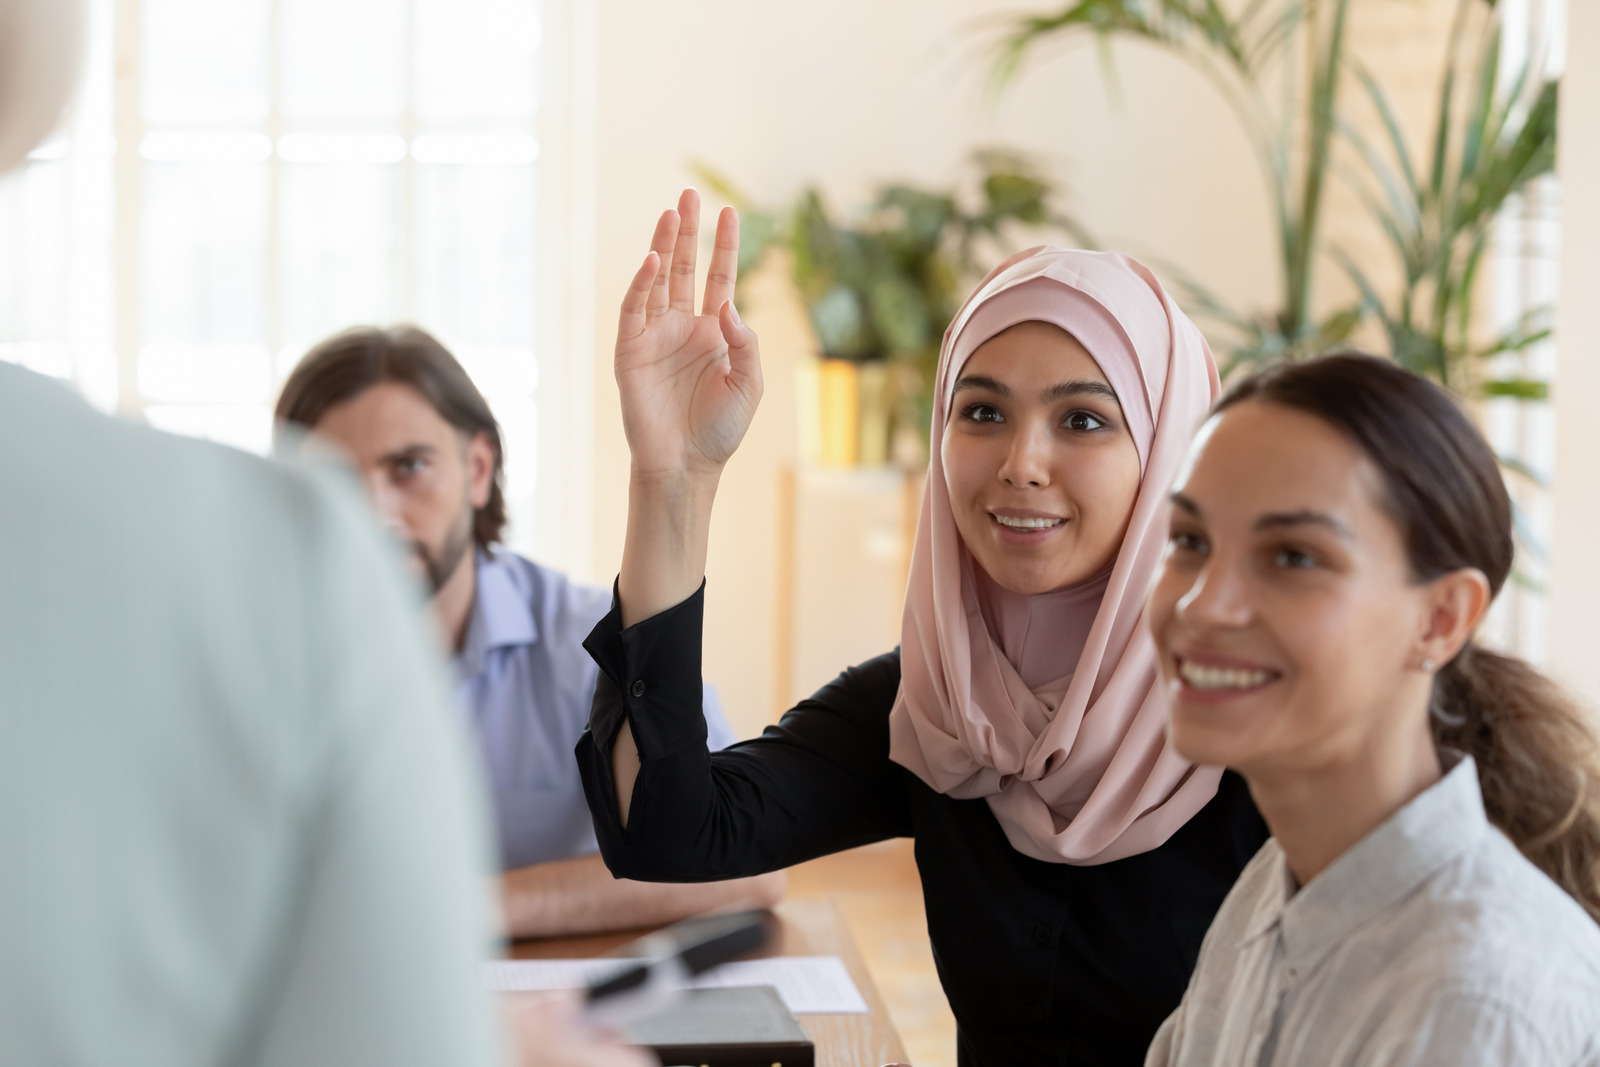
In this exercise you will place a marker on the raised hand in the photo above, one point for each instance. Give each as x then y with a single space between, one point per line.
689 383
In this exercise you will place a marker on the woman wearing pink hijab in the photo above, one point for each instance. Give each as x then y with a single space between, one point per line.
1070 860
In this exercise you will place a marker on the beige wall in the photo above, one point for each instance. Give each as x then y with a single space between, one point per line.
1575 570
853 93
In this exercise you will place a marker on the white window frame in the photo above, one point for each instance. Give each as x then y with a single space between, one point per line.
554 523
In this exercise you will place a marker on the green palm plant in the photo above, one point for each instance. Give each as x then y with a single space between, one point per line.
1439 221
1488 143
1244 56
1492 137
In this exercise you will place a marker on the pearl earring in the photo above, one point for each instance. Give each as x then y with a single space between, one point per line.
1427 665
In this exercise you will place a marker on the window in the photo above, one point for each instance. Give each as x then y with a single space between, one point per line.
1525 282
239 180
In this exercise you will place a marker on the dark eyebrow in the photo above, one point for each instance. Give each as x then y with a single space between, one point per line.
1076 387
1080 387
1304 517
1183 503
980 381
400 455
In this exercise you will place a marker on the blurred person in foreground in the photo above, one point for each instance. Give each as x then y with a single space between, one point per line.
430 454
237 823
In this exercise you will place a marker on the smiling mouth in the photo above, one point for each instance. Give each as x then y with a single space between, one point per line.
1213 679
1026 524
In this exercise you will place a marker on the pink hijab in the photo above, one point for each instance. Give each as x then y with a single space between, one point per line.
1048 705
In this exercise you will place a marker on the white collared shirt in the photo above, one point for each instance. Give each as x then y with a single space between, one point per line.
1431 941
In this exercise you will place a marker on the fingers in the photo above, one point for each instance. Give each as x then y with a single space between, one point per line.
636 301
724 270
661 243
548 1031
744 351
681 281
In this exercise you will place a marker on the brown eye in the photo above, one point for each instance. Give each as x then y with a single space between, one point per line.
981 413
1083 422
1292 559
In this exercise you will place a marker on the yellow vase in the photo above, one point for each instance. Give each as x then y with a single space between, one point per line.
838 412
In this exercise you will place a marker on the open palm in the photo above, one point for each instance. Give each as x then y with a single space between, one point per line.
689 383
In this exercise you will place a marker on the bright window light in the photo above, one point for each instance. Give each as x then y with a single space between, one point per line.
292 168
55 148
42 357
341 148
500 371
475 149
170 146
236 374
246 426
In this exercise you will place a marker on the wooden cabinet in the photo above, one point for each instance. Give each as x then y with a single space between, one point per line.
844 549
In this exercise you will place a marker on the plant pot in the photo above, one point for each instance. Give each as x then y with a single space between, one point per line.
829 396
875 400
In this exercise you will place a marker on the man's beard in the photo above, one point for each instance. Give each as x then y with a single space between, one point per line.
439 566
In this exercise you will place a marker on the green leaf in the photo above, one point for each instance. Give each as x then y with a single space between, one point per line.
1016 196
922 216
1520 388
719 183
1336 329
899 314
1391 124
1479 119
840 324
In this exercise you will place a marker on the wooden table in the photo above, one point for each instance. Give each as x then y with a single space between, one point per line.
806 928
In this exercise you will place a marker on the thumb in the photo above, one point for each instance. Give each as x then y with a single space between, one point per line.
744 348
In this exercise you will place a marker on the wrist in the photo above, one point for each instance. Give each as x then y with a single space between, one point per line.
674 487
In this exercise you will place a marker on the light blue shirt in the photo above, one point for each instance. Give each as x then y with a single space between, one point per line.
526 684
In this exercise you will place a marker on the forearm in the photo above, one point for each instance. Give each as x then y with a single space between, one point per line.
580 896
664 550
624 770
663 563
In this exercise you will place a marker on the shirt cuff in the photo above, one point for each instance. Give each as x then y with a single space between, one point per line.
650 677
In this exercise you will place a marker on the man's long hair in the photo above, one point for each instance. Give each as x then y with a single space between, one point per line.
355 360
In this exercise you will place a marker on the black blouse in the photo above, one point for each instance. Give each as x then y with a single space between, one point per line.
1044 963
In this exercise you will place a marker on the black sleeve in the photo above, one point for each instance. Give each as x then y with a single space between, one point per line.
820 781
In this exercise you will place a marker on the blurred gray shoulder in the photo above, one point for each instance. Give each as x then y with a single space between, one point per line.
215 578
82 478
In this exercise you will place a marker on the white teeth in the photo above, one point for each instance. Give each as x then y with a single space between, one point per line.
1221 677
1027 524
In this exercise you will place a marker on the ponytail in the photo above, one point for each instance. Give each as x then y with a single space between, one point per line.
1538 762
1537 753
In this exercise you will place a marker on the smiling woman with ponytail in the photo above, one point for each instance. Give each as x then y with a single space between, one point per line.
1432 888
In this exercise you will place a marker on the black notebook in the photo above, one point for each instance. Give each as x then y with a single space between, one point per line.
747 1026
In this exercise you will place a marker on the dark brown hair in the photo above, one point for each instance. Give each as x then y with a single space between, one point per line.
353 361
1538 758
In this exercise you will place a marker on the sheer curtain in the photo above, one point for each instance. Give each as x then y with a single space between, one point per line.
238 180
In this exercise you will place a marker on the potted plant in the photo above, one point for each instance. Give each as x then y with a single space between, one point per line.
1284 70
880 288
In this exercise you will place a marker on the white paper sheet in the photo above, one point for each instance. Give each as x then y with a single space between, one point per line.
806 984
